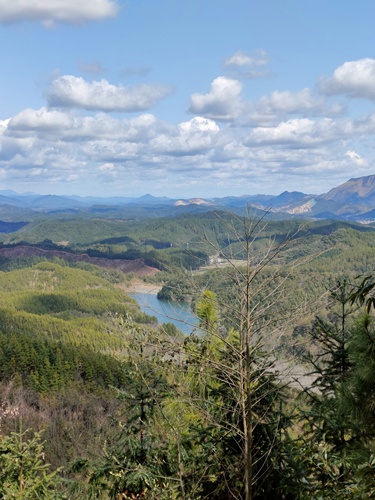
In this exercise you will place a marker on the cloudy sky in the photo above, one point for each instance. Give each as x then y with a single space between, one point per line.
185 98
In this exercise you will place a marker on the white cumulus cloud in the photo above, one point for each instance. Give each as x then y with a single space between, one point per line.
54 125
353 78
247 67
241 59
299 133
221 103
291 102
199 124
356 159
75 92
49 11
193 137
41 119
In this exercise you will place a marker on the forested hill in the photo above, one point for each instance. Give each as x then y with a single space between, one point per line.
143 247
132 409
136 266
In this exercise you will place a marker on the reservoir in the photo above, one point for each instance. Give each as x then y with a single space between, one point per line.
178 313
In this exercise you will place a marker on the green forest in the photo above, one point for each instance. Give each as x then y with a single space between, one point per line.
272 397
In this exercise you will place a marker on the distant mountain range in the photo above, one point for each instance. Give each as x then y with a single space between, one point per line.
353 200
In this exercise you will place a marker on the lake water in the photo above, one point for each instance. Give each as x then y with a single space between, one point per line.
178 313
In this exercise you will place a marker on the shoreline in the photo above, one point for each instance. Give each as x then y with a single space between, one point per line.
140 287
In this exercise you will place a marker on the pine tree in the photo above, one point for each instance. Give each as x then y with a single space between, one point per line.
24 474
331 436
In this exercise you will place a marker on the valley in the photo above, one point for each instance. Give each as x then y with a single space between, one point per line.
130 402
187 250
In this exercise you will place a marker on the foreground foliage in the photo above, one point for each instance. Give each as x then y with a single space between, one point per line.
24 474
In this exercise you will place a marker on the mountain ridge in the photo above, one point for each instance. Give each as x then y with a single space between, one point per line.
352 200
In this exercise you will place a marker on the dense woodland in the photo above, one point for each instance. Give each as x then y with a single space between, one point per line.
272 398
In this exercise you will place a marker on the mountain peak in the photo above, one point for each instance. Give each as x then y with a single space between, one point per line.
355 188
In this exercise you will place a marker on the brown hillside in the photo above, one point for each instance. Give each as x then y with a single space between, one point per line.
136 266
361 187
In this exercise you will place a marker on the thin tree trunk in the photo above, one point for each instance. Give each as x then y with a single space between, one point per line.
248 396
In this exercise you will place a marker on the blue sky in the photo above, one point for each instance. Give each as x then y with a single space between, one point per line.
185 99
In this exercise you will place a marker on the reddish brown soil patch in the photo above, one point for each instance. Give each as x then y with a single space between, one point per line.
136 266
